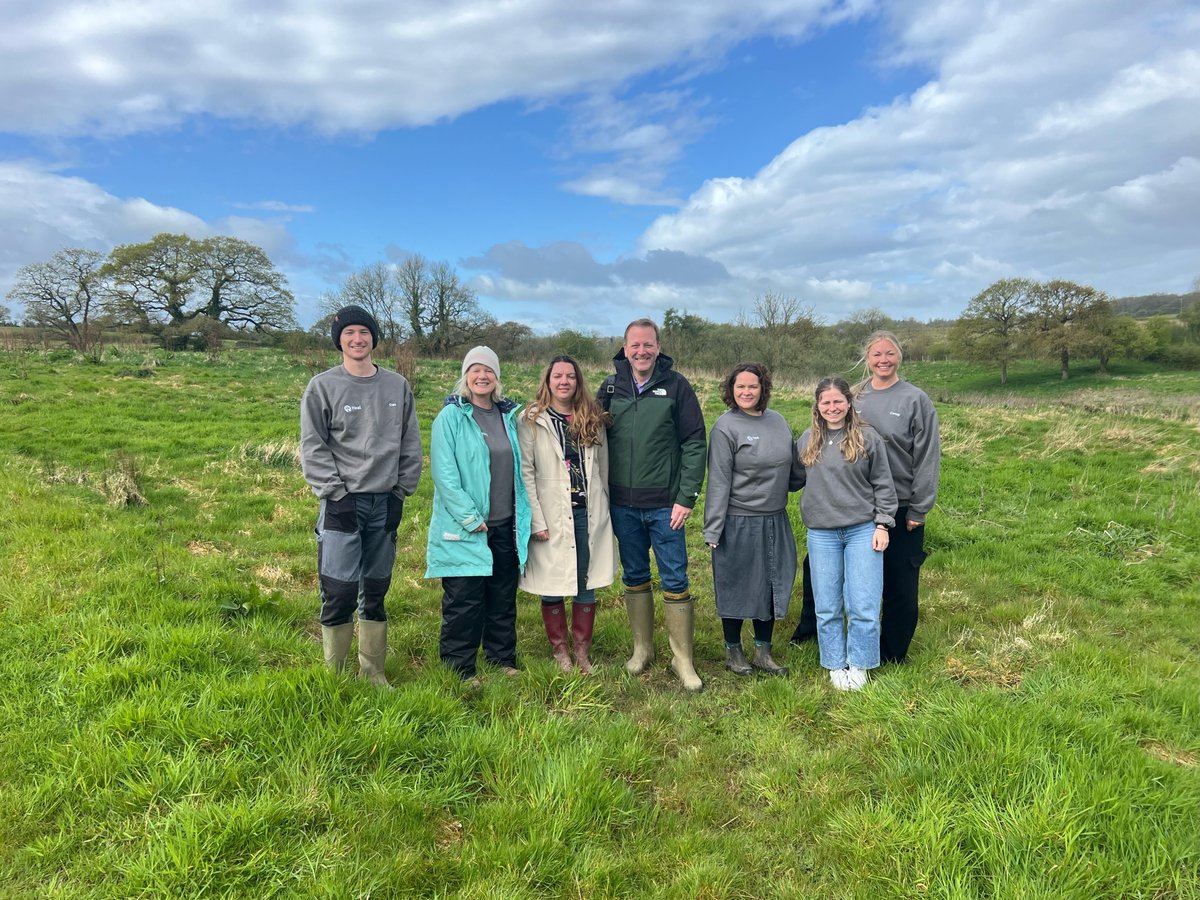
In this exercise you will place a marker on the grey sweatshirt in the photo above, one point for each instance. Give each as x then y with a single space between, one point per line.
359 435
906 420
752 465
838 494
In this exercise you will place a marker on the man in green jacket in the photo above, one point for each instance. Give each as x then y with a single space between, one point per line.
656 447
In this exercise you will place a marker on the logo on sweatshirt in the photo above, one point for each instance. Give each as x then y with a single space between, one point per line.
349 408
659 392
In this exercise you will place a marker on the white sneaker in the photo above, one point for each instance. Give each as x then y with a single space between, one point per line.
839 678
856 678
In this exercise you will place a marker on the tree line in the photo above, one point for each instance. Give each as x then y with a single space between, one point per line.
190 292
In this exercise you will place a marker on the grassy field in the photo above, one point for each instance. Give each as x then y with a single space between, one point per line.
169 730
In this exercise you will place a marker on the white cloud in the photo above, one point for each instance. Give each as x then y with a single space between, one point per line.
1057 139
41 212
129 65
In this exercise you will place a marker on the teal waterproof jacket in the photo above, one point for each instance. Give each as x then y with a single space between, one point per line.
462 480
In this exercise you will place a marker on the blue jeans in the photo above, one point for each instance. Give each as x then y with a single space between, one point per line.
583 559
637 531
847 580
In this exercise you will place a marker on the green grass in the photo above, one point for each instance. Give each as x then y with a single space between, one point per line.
169 729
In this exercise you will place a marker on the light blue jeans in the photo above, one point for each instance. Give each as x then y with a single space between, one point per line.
847 578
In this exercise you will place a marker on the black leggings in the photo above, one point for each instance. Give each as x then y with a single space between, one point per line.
763 629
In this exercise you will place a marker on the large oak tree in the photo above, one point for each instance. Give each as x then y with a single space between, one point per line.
172 278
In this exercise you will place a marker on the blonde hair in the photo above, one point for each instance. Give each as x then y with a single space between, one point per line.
854 446
460 388
881 334
587 418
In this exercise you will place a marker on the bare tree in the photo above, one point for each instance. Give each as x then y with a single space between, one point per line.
412 277
65 296
786 328
454 315
993 327
376 288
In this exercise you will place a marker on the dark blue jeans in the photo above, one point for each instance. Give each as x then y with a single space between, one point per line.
583 558
640 530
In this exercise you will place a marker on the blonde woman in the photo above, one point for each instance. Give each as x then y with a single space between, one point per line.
564 464
848 505
905 418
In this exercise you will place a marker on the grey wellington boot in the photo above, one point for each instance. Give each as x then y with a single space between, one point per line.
680 613
639 605
763 661
372 651
335 641
735 660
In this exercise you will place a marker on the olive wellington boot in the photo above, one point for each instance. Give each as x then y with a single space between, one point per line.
335 641
639 604
680 613
372 651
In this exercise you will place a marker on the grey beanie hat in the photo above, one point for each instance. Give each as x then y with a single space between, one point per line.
485 355
353 315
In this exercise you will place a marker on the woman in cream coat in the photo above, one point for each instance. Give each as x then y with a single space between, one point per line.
564 463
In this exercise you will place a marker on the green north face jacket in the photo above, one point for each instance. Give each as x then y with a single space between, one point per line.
656 443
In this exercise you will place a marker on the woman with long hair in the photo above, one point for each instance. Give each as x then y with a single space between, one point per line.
564 465
904 417
848 506
751 467
479 527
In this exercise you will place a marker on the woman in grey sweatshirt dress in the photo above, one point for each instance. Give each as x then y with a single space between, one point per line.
751 467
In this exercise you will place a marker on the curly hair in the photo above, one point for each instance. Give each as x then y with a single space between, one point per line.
587 417
853 444
764 381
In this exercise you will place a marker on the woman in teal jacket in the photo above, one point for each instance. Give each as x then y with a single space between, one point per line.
479 529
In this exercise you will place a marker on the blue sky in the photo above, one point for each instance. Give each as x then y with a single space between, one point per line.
583 163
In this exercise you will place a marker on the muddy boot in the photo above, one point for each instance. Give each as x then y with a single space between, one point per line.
335 640
639 604
680 613
735 660
764 663
554 617
372 651
583 620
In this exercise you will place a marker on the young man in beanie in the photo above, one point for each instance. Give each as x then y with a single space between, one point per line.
360 448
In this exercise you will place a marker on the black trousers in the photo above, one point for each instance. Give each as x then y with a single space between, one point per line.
901 583
482 609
